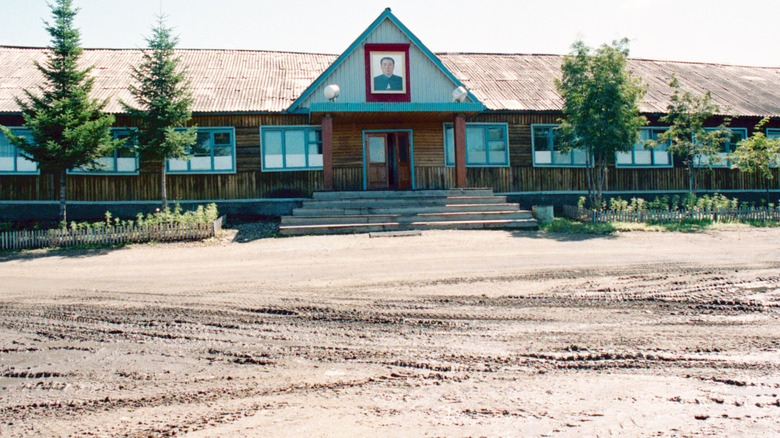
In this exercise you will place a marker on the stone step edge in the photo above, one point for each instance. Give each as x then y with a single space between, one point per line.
419 223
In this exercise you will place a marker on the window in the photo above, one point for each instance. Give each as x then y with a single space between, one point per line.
12 159
213 152
486 145
737 135
291 147
772 133
641 156
547 150
123 159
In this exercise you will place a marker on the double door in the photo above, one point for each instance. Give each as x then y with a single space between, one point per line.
388 160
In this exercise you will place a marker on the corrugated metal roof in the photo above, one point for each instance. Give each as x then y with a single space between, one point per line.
525 82
225 81
221 80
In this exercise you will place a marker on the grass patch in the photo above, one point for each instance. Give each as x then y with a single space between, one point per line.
564 225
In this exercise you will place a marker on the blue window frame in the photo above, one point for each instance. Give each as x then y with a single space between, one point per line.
642 156
737 135
214 151
122 160
487 145
13 160
291 147
772 133
547 149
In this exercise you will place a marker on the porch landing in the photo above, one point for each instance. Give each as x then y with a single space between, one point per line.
377 211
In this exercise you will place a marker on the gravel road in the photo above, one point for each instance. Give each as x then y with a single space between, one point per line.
449 333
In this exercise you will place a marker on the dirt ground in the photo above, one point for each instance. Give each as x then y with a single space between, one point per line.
449 333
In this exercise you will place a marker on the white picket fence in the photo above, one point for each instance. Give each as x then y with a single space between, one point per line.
15 240
726 214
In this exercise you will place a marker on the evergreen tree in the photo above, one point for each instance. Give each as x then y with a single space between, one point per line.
601 104
162 92
758 154
68 128
687 138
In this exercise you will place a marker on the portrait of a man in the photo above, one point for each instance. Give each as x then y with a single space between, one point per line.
387 80
388 72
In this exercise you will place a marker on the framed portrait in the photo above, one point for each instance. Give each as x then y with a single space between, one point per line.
387 72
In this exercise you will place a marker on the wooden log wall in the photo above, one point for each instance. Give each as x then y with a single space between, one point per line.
248 182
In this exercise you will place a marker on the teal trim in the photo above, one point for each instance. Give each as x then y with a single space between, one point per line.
411 152
16 153
307 142
211 130
449 159
550 147
640 146
331 107
772 133
387 14
115 133
728 148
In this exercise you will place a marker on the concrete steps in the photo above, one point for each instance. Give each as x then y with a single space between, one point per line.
379 211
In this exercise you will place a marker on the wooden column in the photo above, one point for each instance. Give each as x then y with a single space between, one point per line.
327 152
460 151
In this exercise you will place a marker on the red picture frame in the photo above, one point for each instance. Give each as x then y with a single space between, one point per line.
379 89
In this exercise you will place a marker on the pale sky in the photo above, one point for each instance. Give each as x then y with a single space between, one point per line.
742 32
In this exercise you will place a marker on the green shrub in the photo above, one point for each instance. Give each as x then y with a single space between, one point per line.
201 215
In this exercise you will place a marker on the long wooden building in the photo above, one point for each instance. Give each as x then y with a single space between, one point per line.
387 113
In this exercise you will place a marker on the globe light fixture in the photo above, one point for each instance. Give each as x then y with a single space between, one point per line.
332 92
460 94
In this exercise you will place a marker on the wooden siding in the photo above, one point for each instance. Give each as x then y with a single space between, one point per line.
248 182
427 81
256 184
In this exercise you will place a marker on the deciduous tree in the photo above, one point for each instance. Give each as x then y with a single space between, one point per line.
601 104
69 129
687 137
758 155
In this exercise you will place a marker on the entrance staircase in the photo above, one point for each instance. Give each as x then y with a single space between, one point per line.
384 211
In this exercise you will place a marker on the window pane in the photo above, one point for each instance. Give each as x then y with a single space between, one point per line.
543 157
495 134
561 158
643 157
125 165
6 148
315 154
661 157
272 149
177 165
295 148
449 143
223 150
497 152
25 165
579 157
315 135
202 145
541 138
222 138
376 149
200 163
623 158
106 164
476 151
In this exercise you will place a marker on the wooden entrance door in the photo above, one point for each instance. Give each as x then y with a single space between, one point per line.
388 160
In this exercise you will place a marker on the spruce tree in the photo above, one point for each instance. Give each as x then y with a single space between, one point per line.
69 130
162 93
